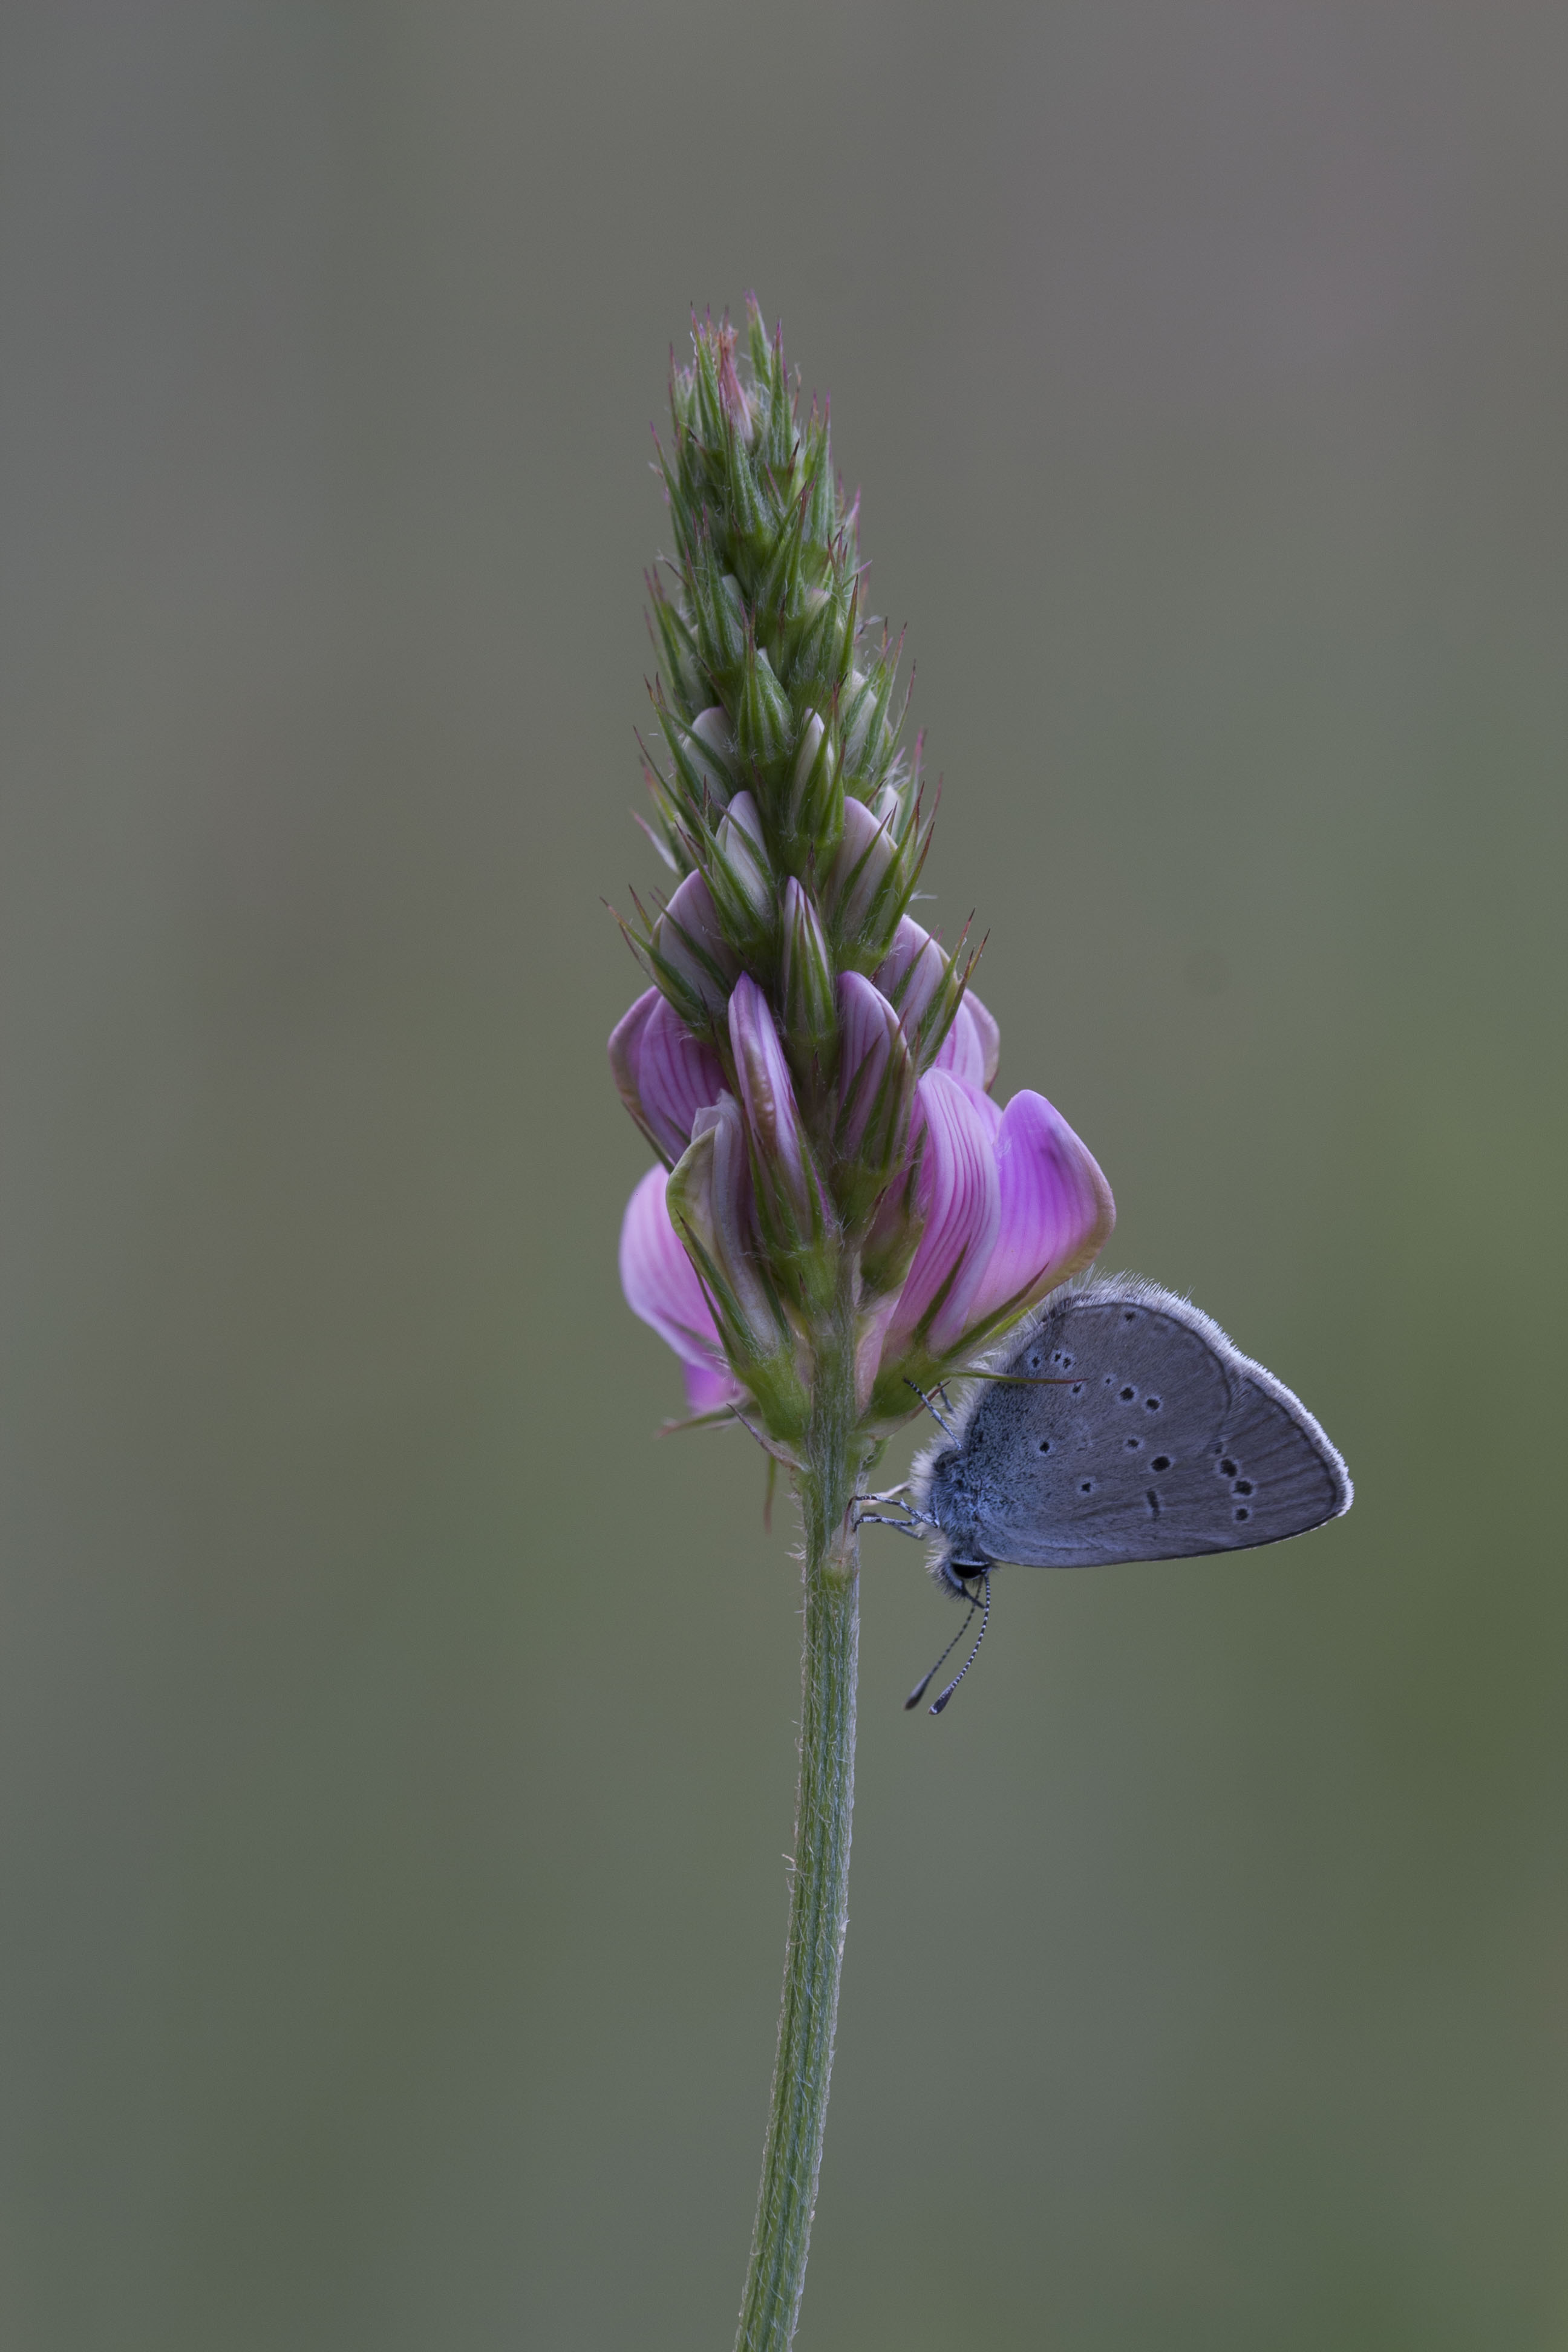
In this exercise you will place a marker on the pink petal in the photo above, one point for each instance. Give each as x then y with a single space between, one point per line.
870 1335
709 1386
767 1092
660 1284
691 941
625 1052
963 1050
960 1195
911 972
678 1076
990 1032
1056 1211
870 1040
865 852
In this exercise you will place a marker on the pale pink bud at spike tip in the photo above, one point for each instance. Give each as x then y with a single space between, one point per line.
960 1195
1056 1211
805 758
767 1092
663 1289
814 768
731 391
710 747
689 938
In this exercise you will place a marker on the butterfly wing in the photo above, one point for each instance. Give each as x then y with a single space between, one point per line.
1163 1441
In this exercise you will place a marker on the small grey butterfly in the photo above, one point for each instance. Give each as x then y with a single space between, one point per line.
1122 1424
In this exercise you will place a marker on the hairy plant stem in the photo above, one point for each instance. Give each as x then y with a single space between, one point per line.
819 1880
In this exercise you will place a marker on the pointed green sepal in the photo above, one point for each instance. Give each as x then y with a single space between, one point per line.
764 723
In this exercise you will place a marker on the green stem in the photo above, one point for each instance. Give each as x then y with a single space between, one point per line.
819 1880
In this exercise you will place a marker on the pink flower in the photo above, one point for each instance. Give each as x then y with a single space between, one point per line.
969 1212
1013 1203
661 1286
1056 1211
665 1076
960 1198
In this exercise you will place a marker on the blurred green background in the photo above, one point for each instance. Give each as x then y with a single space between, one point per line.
398 1739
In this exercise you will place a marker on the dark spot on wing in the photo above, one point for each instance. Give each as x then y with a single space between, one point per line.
1227 1468
1161 1462
1154 1502
1151 1404
1244 1513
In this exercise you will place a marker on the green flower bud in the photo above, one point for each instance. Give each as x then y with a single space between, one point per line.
816 798
719 621
742 880
750 520
676 646
810 1011
709 1200
764 722
867 736
890 1247
817 640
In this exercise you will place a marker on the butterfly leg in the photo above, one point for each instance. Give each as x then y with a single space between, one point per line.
914 1523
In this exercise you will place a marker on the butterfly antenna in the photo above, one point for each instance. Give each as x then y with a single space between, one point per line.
926 1681
938 1704
945 1427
